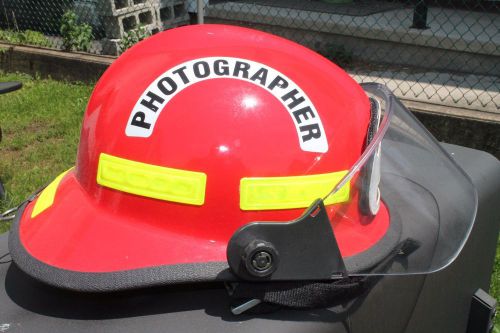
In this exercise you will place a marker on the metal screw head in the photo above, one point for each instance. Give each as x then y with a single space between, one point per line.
262 260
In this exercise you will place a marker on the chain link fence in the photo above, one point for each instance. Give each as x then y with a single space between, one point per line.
105 27
437 51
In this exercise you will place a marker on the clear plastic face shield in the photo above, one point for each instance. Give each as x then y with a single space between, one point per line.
431 202
410 209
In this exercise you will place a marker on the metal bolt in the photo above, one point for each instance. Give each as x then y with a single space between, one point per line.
262 261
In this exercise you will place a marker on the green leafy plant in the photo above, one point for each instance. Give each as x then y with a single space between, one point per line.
133 37
27 37
75 36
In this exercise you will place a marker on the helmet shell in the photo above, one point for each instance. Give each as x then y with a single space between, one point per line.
224 108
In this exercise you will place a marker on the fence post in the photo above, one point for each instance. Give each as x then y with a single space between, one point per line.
420 15
201 9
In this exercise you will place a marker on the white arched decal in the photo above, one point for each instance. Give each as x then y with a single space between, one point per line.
306 119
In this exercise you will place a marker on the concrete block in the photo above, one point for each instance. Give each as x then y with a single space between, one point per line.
110 46
172 13
116 26
123 7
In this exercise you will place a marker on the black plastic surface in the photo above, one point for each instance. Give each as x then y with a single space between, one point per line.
437 302
6 87
482 313
444 301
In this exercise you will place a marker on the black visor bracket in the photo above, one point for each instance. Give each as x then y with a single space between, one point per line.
303 249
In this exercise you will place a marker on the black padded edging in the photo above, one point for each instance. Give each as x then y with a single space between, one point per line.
112 281
162 275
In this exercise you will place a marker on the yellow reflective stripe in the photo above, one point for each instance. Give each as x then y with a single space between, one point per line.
266 193
46 198
151 181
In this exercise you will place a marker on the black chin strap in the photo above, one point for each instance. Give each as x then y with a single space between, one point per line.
261 297
296 295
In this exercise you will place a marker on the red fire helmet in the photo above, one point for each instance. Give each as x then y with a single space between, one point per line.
199 131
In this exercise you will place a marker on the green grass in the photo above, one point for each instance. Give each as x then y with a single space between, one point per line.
495 285
41 129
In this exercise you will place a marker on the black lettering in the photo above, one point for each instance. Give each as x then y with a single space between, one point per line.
305 112
278 82
153 98
313 132
260 75
183 76
206 70
242 67
138 120
292 95
172 86
221 67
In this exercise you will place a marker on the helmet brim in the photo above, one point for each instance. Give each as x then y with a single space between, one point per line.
75 237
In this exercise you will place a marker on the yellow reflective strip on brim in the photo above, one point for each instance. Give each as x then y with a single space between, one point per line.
268 193
151 181
46 197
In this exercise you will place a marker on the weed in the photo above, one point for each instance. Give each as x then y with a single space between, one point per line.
27 37
76 37
133 37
